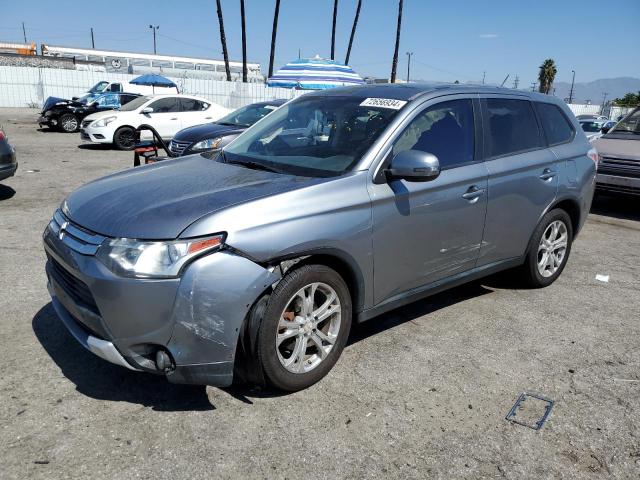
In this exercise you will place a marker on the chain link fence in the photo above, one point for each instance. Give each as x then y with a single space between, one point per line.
31 86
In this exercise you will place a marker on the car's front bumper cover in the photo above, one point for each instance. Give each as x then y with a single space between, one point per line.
196 318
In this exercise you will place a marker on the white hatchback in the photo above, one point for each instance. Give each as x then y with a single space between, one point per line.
167 114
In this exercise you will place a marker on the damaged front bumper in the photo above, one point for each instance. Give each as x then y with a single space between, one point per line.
196 318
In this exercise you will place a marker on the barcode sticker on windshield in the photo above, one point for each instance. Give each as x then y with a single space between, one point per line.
384 103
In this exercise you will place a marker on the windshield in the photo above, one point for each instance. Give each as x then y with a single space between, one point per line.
313 136
98 87
591 127
135 104
630 124
88 98
247 116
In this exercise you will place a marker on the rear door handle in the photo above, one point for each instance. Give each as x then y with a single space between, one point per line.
174 118
547 174
473 193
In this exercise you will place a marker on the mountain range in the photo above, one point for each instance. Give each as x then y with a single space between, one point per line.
594 91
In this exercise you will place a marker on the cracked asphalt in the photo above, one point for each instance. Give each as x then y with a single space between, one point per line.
421 392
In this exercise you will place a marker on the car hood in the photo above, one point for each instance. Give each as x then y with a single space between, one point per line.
619 146
104 113
159 201
51 101
207 130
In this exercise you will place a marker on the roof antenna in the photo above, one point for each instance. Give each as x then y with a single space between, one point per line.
505 80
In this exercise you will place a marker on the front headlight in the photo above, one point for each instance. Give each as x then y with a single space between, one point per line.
133 258
103 122
207 144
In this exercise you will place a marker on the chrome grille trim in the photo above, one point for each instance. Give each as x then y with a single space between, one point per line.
178 148
73 236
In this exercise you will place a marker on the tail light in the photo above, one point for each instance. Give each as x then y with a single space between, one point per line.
593 155
2 135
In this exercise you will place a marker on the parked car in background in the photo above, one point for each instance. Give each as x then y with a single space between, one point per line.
601 118
209 136
619 150
8 163
592 128
342 204
167 114
120 87
67 115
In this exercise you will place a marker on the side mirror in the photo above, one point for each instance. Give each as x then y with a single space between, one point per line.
605 129
146 110
414 166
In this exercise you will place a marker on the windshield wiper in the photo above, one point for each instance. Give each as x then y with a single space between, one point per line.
226 124
253 165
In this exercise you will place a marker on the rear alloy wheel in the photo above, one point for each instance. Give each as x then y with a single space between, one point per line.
305 327
124 138
549 249
68 123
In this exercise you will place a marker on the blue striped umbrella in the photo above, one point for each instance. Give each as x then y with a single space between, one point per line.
314 74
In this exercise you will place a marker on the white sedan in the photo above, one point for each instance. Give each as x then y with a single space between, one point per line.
167 114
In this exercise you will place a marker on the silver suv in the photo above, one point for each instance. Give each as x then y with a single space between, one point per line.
338 207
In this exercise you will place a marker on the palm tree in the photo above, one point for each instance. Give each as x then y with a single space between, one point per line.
223 41
274 30
333 29
394 64
547 75
244 43
353 32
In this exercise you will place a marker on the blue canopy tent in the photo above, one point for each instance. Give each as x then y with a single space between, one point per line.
314 74
154 80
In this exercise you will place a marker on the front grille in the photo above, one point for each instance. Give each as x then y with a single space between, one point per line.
73 286
75 237
177 148
86 123
620 167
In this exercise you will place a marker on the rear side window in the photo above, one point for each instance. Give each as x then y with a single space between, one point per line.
554 123
512 127
165 105
193 105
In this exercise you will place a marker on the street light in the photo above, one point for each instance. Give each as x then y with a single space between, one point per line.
154 28
573 79
409 54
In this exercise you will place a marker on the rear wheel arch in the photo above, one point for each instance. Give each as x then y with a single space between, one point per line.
572 207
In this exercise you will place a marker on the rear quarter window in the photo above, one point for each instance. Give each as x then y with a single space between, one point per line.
513 127
555 124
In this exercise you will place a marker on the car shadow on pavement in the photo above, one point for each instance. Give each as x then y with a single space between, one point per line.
6 192
96 146
415 310
101 380
620 206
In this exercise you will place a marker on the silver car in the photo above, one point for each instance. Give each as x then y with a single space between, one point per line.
336 208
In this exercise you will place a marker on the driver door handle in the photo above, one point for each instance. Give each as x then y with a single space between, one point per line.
547 174
174 118
473 193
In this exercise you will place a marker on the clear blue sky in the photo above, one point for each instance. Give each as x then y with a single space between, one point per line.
452 40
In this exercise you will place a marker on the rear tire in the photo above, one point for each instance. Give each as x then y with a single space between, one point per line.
68 123
305 327
549 249
124 138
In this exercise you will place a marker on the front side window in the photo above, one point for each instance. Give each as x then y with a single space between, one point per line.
445 130
629 124
247 116
512 127
99 87
135 104
314 135
108 100
555 125
165 105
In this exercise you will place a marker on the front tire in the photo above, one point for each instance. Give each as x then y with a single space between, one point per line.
549 249
305 327
68 123
124 138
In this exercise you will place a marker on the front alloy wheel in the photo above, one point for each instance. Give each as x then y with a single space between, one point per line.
308 327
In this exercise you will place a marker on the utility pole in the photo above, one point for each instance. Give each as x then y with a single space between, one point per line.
24 33
573 79
409 54
533 86
505 80
484 75
604 102
516 82
93 43
154 28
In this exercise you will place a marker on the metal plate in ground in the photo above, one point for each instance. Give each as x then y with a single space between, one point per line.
530 411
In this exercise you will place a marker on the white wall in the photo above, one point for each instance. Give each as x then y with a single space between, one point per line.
30 86
611 112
